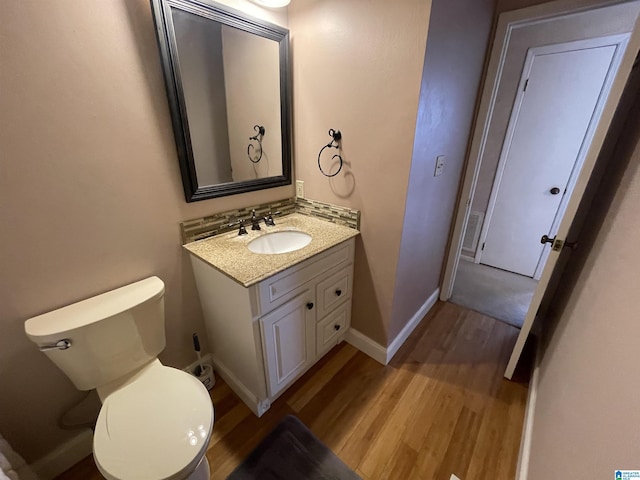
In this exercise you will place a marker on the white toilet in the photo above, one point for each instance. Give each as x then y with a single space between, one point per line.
156 421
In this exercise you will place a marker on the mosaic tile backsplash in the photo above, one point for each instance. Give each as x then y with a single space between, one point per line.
199 228
332 213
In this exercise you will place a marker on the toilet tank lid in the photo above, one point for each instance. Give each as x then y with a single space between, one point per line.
94 309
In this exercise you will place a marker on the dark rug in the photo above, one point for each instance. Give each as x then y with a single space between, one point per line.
292 452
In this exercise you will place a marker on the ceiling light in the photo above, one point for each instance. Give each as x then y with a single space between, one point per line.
272 3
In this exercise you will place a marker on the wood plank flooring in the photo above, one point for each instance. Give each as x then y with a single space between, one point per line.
440 407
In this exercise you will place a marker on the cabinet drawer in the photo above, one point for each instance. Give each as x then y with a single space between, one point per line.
276 290
334 290
332 327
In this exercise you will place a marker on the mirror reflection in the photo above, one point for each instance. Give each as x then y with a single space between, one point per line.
228 86
231 87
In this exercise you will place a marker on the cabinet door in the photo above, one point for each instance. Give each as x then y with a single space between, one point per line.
289 341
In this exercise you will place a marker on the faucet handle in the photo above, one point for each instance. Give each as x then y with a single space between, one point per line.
268 220
242 230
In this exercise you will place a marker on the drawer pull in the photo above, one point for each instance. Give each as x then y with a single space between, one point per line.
338 292
336 327
310 305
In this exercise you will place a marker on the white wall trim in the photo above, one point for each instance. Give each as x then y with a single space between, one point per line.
397 342
522 470
384 355
468 258
366 345
63 457
257 407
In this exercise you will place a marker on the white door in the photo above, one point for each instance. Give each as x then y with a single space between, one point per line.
289 341
616 78
553 115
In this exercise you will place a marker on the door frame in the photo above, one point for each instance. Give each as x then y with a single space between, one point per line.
507 23
619 40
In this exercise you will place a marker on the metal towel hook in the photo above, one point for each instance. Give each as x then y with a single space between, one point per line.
336 136
258 138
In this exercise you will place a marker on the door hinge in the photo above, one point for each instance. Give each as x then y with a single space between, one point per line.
526 84
483 244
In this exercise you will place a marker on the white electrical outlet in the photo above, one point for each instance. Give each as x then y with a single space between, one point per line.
299 189
439 165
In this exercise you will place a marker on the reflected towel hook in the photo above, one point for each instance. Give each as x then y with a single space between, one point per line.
336 136
258 138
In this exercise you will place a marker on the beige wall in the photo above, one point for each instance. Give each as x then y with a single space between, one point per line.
586 416
453 66
356 68
594 23
90 190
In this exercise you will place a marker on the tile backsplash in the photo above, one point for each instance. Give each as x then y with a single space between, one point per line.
199 228
332 213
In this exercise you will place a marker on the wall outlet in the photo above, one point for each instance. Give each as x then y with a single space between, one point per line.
299 189
439 165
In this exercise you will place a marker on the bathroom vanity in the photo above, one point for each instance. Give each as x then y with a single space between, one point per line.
270 317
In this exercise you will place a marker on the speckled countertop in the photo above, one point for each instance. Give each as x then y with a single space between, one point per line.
228 252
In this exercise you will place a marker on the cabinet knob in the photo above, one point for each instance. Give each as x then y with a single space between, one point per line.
336 327
338 292
310 305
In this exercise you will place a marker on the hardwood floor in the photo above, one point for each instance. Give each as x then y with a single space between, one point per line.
440 407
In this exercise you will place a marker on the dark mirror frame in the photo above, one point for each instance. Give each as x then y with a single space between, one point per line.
169 56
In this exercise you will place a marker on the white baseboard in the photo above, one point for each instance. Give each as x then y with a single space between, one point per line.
366 345
256 405
63 457
384 355
408 329
522 470
467 257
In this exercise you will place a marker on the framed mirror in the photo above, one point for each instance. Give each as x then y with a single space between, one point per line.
227 78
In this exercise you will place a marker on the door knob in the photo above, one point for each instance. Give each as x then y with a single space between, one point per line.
554 191
546 239
558 245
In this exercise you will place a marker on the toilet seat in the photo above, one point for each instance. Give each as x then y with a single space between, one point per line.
155 427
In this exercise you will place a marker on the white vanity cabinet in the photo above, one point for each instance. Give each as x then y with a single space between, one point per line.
265 336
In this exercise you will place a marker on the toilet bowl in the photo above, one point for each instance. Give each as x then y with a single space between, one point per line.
156 421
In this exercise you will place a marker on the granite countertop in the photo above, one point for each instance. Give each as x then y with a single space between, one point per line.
228 252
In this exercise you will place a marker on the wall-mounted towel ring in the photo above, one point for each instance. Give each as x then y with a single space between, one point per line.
334 143
258 138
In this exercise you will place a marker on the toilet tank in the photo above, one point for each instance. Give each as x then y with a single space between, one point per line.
111 334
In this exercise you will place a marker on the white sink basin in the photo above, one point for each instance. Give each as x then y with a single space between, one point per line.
279 242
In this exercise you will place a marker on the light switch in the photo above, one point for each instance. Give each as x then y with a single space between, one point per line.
299 189
439 165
